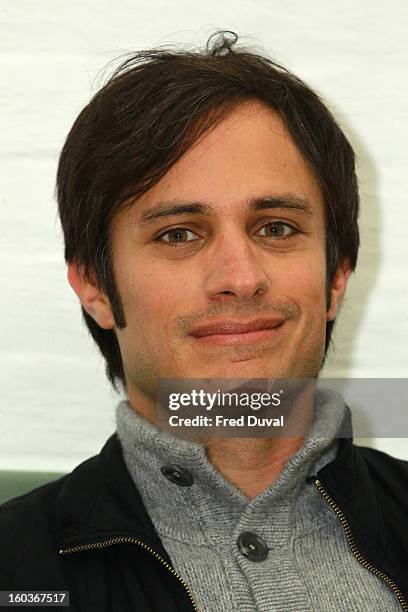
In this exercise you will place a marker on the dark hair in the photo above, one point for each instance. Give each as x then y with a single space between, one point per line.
149 113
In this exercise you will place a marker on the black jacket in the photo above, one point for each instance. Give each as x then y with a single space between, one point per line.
89 533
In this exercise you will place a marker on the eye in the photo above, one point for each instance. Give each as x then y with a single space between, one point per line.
279 229
177 236
178 233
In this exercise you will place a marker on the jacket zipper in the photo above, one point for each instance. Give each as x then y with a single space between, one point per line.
357 554
129 540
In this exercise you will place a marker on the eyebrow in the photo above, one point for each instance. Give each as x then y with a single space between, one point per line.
170 209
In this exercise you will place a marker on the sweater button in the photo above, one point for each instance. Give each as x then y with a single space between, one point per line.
177 474
252 546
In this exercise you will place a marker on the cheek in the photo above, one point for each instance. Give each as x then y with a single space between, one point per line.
152 297
304 281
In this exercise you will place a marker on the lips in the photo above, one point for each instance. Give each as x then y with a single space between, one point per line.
236 327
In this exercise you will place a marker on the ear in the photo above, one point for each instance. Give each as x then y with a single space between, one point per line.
338 288
94 301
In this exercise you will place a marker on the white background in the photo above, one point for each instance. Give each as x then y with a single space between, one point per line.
56 408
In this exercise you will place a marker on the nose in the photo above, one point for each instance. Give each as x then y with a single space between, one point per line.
236 268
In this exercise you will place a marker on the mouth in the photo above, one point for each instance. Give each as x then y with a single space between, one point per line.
230 333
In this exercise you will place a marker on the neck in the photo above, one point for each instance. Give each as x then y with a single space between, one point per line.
251 464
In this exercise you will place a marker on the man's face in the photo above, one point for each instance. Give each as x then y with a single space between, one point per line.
236 263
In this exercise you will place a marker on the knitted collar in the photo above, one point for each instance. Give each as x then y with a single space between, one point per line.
195 513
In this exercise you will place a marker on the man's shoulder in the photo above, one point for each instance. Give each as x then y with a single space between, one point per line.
375 457
96 500
29 523
84 475
36 505
43 514
374 478
384 467
41 500
27 528
362 477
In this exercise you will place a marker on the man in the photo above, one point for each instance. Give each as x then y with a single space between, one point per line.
209 206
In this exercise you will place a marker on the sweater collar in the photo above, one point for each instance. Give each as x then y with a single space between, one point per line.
195 513
99 500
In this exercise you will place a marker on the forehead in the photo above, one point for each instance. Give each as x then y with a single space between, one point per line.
249 154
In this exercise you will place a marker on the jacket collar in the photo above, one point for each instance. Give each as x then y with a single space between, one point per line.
99 501
348 482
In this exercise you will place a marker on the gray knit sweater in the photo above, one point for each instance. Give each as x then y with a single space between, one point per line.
309 565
